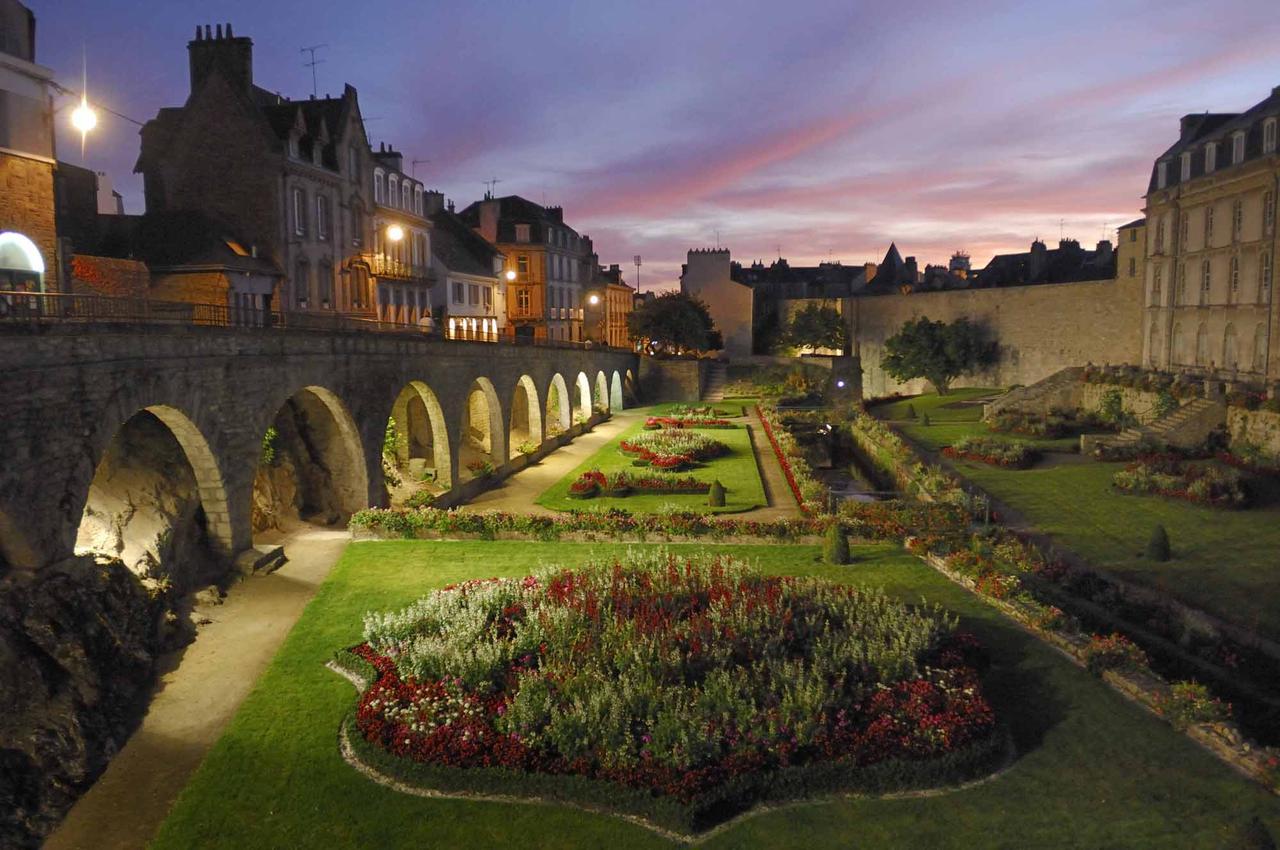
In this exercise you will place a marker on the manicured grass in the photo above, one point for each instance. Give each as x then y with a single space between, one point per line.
953 417
737 471
1094 770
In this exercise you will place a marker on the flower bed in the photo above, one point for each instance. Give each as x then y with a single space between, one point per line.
655 423
595 483
672 449
1005 453
706 411
632 673
810 494
1205 484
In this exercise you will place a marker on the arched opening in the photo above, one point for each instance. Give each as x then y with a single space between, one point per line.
312 467
630 389
615 392
582 410
483 447
1230 348
417 444
21 266
157 502
1202 345
601 400
559 414
525 426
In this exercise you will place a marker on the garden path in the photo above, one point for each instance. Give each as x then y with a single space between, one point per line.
201 688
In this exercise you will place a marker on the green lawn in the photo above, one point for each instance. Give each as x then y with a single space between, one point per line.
737 471
955 416
1094 770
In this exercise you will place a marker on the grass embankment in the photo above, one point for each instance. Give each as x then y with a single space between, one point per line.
955 416
1094 770
737 471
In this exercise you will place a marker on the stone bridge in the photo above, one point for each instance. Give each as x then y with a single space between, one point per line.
70 394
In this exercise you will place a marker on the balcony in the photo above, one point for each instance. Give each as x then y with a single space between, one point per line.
388 268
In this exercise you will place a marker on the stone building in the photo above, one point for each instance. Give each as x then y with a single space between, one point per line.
401 259
291 176
608 307
1212 248
472 302
29 253
1068 263
545 299
708 276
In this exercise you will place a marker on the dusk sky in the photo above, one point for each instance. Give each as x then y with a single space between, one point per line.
818 129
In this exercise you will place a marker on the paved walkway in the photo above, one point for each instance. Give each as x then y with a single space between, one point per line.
196 698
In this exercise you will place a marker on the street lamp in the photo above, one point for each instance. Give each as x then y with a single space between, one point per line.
511 275
593 300
395 233
83 118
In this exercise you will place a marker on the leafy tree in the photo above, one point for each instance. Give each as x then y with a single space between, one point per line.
937 351
816 326
674 323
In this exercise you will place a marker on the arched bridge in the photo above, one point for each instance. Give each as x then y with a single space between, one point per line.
89 409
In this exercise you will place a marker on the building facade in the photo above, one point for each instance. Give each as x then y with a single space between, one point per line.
292 176
707 275
608 307
400 263
1212 247
545 297
29 251
472 302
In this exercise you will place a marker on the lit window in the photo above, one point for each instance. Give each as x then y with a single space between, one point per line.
1269 136
473 294
487 293
1237 148
379 180
299 212
522 267
1186 166
1210 157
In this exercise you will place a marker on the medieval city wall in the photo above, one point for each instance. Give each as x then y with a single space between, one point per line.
1039 329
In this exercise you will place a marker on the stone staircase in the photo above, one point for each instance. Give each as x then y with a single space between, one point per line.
717 377
1062 389
1185 428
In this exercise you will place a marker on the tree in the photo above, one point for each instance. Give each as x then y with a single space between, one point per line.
674 323
937 352
816 327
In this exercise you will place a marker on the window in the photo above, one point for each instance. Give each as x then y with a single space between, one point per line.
1237 149
1268 213
1210 157
1208 227
1269 136
417 200
1202 345
1206 281
1162 174
1186 166
522 267
326 284
322 218
299 212
1230 348
459 292
1237 220
406 196
379 181
1260 348
302 283
1186 228
393 189
1180 291
1235 278
522 233
1156 283
551 236
1133 235
522 301
486 296
357 224
473 294
1264 279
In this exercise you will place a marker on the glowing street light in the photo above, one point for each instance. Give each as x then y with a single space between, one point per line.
395 233
593 300
83 118
511 275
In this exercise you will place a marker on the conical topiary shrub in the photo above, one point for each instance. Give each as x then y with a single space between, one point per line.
924 419
835 549
1158 545
716 497
911 411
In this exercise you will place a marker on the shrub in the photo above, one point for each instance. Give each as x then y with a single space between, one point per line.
992 451
270 446
1204 483
481 468
1165 404
420 499
527 447
1189 703
924 419
715 498
835 547
1158 545
1113 652
911 411
1112 411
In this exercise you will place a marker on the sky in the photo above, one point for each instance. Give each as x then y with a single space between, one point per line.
811 129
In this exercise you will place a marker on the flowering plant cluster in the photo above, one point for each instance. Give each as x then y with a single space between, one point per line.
1007 453
594 483
1189 703
810 493
705 411
656 423
1251 458
672 449
481 468
1206 484
668 674
1113 652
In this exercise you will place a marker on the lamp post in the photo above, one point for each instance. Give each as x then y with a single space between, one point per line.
636 260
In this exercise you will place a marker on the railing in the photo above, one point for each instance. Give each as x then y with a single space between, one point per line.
385 267
40 308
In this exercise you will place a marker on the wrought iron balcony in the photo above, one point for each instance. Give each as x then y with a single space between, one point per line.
389 268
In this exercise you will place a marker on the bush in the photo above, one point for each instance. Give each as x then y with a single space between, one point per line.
835 547
992 451
1203 483
924 419
716 497
1113 652
1189 703
420 499
911 411
270 446
1158 545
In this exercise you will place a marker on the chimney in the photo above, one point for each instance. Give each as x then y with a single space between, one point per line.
489 212
1104 249
1037 263
232 56
432 202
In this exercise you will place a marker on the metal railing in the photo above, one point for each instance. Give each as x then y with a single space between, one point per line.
36 308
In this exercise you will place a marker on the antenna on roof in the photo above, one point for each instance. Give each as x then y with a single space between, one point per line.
312 64
717 239
490 185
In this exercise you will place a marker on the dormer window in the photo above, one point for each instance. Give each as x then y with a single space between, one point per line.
1162 174
406 194
393 189
1269 135
1186 167
1210 157
522 233
379 186
417 200
1237 149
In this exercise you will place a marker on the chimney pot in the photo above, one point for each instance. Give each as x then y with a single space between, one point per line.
219 32
228 29
198 36
208 32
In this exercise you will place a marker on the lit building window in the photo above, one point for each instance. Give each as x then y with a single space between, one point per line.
393 189
1269 136
1186 166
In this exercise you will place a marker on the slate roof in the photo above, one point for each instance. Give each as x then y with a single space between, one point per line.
458 247
513 210
1068 263
782 280
1198 130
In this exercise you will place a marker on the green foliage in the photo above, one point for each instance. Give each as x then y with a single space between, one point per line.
816 326
1254 835
420 499
390 440
1111 409
911 411
674 323
1190 703
937 351
1158 545
925 420
270 446
835 545
715 498
1165 404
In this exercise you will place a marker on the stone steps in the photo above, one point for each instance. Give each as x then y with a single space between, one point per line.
717 378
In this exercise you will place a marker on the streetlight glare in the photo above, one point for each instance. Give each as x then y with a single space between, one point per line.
395 233
594 300
83 118
511 274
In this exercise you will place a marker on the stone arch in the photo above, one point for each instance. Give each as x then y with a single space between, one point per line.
15 548
629 387
312 466
615 392
421 432
525 423
583 405
1230 348
157 500
559 406
482 435
1202 345
601 398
